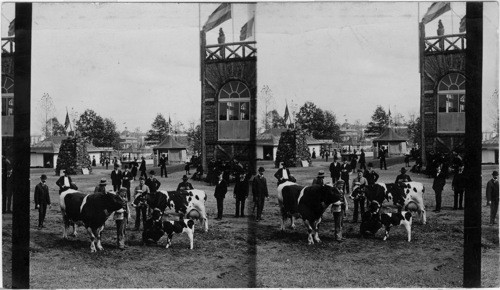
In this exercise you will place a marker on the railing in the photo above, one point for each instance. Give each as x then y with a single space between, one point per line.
445 43
8 44
234 50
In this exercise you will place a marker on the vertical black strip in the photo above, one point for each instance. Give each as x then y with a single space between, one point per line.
22 97
473 136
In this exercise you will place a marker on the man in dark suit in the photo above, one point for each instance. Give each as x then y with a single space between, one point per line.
152 182
126 178
458 187
163 165
142 168
283 174
116 178
259 191
42 199
335 170
220 194
345 170
381 155
64 182
438 185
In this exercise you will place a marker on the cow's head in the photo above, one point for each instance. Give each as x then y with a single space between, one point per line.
179 200
113 201
328 194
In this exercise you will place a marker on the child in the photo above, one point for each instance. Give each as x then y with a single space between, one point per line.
121 218
153 228
338 210
42 199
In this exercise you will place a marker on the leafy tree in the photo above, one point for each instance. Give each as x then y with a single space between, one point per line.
380 121
194 138
57 128
47 112
276 120
320 124
97 130
159 129
415 131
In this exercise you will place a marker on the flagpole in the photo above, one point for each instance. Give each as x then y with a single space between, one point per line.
232 18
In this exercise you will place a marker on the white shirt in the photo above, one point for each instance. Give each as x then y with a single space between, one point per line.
66 181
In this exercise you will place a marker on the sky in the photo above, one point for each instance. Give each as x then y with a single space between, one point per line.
130 61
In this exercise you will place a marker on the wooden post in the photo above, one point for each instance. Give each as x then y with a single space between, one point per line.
473 136
203 117
21 164
421 46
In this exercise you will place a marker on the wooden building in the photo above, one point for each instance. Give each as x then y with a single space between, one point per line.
392 141
174 150
442 103
228 101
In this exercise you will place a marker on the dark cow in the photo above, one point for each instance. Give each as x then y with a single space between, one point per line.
178 227
406 195
373 221
189 203
308 203
91 209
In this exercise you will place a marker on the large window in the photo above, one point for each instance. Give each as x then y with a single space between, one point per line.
234 111
7 96
451 104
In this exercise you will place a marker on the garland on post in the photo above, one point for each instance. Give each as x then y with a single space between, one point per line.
293 149
73 156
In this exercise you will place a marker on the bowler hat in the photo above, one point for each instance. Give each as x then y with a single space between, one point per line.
321 174
495 173
103 181
261 169
43 177
152 172
116 165
184 177
403 170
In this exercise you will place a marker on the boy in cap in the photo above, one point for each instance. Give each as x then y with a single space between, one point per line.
320 179
184 185
492 191
338 210
101 187
140 203
42 199
358 194
403 177
121 218
259 190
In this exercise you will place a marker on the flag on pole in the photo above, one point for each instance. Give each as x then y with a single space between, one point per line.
66 122
221 14
436 9
12 28
247 29
287 114
462 25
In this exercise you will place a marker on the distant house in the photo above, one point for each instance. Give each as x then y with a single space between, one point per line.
489 152
395 143
173 149
45 152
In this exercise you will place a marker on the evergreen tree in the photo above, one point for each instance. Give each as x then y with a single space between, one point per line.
380 121
159 129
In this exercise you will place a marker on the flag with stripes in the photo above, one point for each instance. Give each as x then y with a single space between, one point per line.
221 14
66 122
462 25
12 28
247 29
287 114
436 9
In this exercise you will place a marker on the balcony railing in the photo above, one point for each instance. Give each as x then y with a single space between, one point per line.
445 43
8 44
234 50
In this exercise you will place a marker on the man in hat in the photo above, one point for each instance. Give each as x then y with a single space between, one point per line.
381 155
101 187
338 210
126 178
488 192
359 185
121 218
458 187
370 174
403 177
116 178
320 179
163 165
259 191
335 170
152 182
64 182
42 199
142 168
240 193
345 171
220 194
184 185
492 192
438 185
283 174
140 202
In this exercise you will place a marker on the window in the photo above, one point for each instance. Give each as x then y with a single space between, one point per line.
451 103
7 96
234 111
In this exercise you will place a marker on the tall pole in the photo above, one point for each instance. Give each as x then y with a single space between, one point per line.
421 46
473 136
21 164
203 117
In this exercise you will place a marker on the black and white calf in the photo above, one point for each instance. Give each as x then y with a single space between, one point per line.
179 227
373 221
